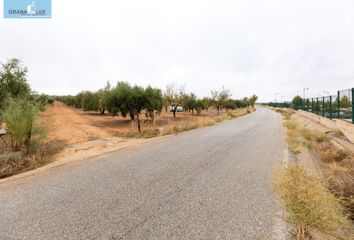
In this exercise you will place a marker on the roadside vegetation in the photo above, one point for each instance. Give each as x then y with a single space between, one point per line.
310 203
30 143
324 204
22 148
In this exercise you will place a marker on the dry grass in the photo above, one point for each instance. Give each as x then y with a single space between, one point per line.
338 133
311 205
177 126
329 153
11 164
286 112
293 135
340 177
339 167
340 163
38 154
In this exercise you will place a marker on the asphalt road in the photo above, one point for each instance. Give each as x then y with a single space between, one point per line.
209 183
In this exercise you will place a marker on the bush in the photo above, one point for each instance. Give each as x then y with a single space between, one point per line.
310 203
19 117
340 177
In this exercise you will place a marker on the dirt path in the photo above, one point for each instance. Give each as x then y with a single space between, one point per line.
66 125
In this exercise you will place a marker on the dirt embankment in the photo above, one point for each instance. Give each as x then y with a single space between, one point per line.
325 158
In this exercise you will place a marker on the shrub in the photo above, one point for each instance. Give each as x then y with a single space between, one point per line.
309 201
293 136
291 124
19 117
340 177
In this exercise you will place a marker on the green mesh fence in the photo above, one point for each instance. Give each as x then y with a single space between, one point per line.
339 106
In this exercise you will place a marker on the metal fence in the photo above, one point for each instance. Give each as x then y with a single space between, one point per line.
339 106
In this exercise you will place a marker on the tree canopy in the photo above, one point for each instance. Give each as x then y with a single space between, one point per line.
13 81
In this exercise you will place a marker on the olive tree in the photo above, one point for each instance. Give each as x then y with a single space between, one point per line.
253 100
89 101
220 98
13 81
103 98
175 97
190 102
207 103
154 102
119 100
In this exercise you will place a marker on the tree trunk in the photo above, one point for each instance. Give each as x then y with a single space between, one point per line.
132 117
174 113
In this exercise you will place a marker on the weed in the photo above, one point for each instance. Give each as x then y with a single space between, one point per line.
285 112
293 136
340 155
19 117
209 122
38 154
307 144
341 181
310 203
329 153
321 137
338 133
291 124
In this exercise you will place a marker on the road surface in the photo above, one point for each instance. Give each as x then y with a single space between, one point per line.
209 183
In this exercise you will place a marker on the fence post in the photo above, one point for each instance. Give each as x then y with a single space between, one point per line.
330 107
323 107
353 105
318 107
312 105
338 104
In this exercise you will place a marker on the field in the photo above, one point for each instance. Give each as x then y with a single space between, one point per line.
71 125
61 131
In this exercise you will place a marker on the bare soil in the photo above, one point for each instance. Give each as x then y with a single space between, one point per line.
71 125
64 124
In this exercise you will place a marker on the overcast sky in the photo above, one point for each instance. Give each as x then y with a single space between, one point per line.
249 46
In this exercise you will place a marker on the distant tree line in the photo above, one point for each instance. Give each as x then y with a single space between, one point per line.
316 104
132 101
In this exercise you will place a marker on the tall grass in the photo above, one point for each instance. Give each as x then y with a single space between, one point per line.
19 117
293 135
286 112
310 203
